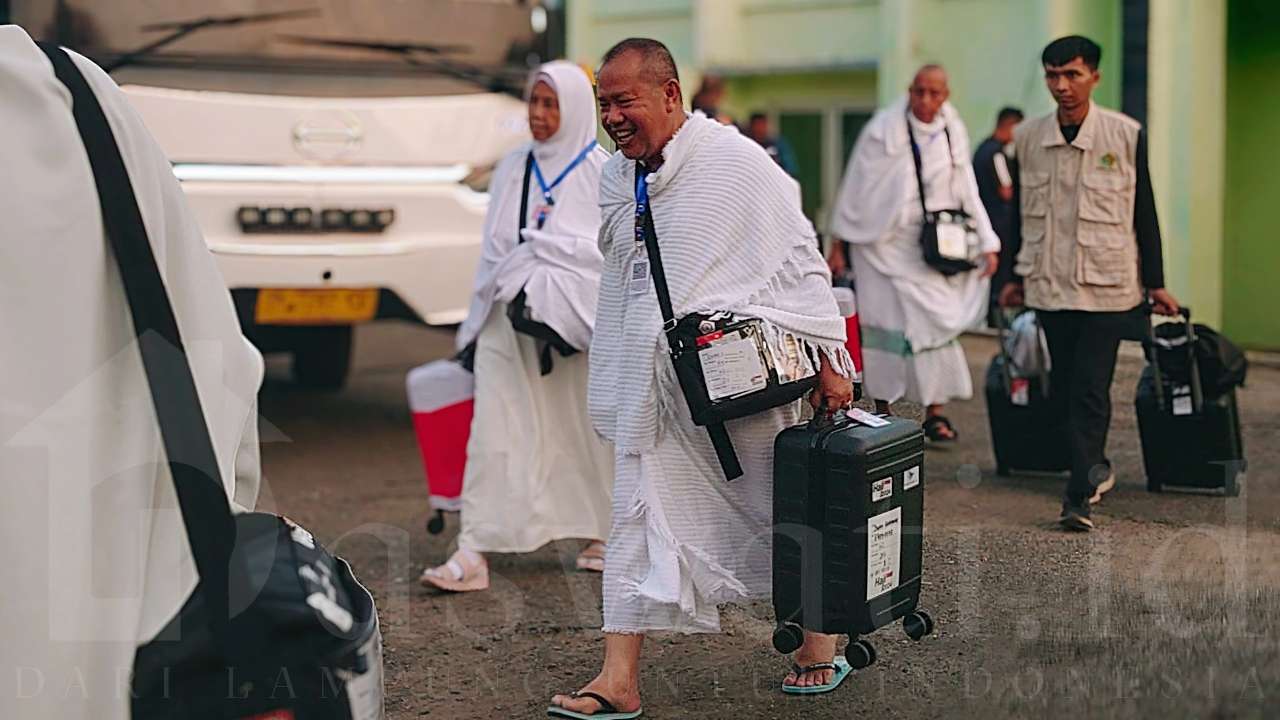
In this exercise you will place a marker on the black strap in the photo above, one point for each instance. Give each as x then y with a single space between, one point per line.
656 270
605 705
191 459
720 439
801 670
919 163
524 198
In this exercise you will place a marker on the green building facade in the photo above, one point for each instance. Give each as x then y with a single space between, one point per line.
1206 74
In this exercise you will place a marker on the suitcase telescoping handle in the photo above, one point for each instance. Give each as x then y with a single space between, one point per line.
1193 362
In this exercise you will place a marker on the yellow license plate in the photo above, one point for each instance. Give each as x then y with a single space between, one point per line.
315 307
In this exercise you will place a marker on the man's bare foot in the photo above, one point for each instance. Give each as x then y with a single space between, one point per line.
625 696
817 648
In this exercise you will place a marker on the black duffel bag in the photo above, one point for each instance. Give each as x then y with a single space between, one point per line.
1222 365
276 627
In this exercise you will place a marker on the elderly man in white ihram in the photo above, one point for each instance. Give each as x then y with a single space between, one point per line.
97 561
912 314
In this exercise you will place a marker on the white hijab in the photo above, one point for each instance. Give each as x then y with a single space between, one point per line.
559 265
97 562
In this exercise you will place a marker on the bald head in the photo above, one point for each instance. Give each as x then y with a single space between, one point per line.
928 92
641 104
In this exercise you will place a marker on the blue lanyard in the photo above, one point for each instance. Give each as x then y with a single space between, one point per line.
542 183
642 202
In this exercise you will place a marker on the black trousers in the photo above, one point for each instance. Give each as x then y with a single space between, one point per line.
1083 348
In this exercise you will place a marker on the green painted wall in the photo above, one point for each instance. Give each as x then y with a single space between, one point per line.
800 90
1251 281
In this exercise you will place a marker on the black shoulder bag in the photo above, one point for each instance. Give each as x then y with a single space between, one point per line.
726 367
271 603
949 238
518 311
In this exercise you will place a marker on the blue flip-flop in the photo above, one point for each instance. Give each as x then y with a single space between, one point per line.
840 665
606 712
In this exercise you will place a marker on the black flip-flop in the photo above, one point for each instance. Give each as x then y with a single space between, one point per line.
607 710
933 423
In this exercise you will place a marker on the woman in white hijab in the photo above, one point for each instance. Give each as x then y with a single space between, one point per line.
97 561
536 470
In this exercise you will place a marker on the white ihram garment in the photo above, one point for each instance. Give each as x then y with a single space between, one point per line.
96 558
536 471
910 314
733 238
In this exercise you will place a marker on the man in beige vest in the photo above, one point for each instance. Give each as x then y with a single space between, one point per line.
1090 253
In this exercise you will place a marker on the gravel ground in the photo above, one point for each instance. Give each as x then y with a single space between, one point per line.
1171 609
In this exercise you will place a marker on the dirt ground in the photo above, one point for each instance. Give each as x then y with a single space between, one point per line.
1171 609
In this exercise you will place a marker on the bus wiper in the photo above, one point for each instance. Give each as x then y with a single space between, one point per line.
430 58
183 28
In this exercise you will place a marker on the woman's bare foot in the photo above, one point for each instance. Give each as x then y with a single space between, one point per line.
817 648
623 693
592 557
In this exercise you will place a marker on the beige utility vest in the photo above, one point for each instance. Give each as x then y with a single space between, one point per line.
1079 249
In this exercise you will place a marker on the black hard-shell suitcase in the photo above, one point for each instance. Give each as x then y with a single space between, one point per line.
1189 440
1026 434
848 511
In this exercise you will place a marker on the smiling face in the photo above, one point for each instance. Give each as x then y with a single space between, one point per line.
639 112
544 112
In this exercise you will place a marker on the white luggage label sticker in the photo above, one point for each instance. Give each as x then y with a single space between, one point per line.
911 478
882 489
732 368
952 241
866 418
1182 400
884 552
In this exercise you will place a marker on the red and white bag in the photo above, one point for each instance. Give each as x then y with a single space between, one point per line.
846 301
441 398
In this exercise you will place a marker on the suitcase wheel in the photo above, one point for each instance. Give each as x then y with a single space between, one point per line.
860 654
1154 486
435 525
917 625
1003 471
788 638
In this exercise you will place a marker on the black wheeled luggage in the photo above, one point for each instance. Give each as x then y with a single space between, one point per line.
1026 434
1190 439
848 511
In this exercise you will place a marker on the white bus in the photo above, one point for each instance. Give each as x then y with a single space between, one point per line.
335 184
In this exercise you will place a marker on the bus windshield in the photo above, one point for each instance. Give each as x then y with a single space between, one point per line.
334 48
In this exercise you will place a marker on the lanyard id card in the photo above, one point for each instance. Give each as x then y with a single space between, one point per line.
638 283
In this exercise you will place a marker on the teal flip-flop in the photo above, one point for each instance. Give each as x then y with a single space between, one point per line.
840 665
606 712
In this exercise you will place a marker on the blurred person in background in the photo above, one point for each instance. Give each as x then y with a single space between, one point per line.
100 562
709 99
1090 249
996 169
536 471
776 145
911 314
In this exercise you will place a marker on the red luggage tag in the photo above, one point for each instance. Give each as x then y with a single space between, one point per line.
709 338
1020 392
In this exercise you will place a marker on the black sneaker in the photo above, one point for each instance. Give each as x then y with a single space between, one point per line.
1075 516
